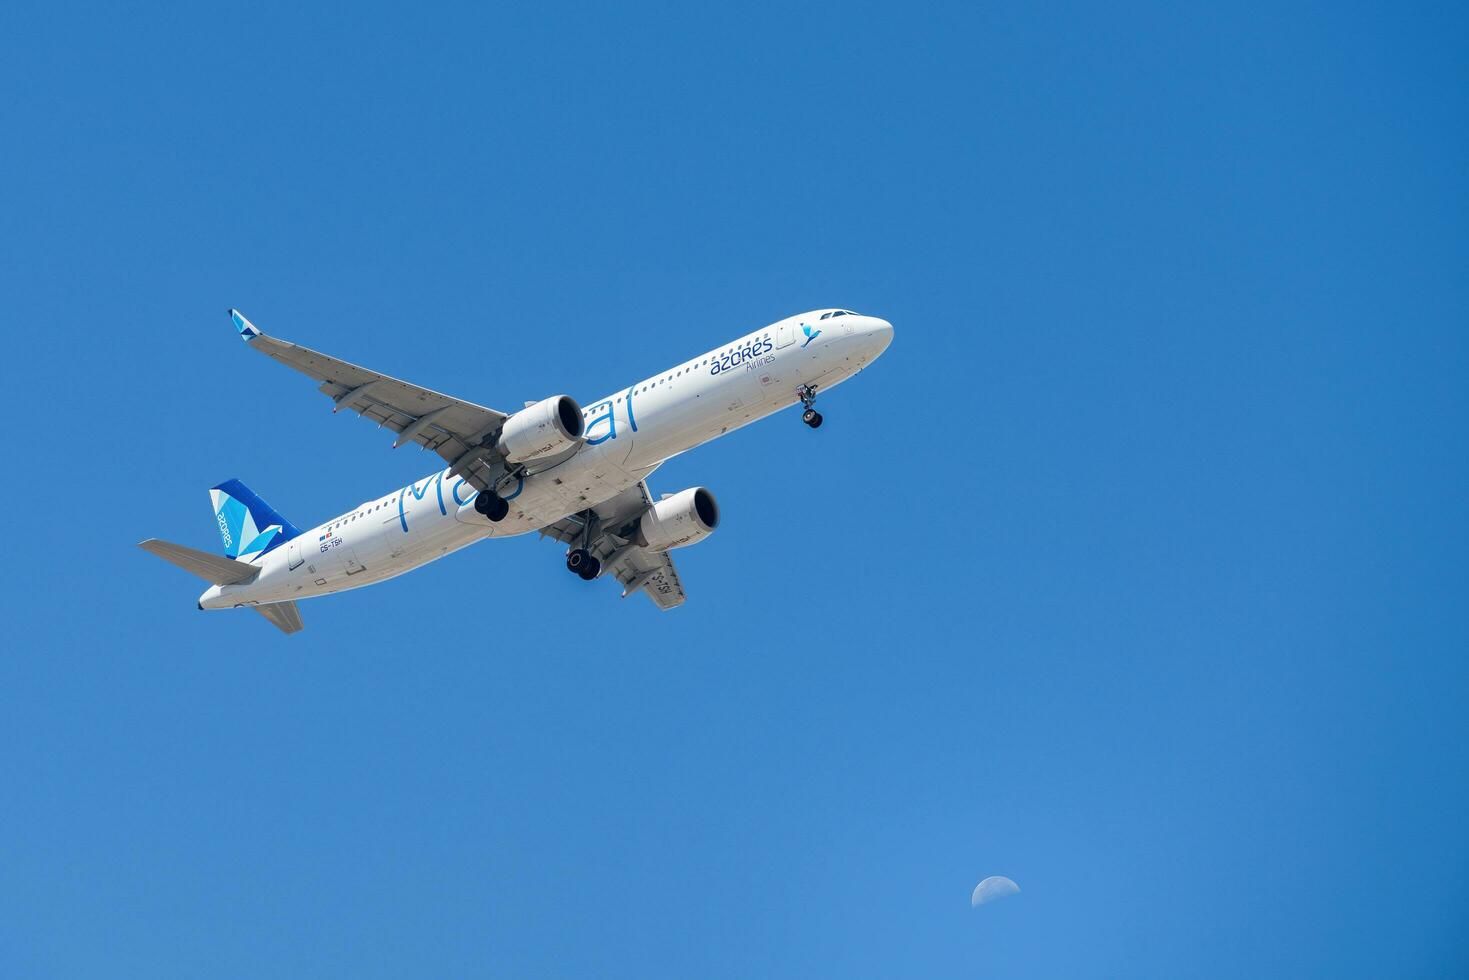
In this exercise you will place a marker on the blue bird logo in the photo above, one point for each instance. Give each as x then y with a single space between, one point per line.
810 334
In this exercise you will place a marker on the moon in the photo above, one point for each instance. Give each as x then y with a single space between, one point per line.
993 887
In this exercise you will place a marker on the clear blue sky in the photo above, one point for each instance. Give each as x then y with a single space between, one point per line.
1134 571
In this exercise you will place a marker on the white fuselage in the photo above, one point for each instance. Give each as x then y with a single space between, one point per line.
627 435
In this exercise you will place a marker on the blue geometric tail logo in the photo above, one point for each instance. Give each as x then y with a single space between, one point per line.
248 526
248 331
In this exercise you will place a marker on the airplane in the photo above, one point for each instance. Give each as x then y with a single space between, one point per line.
575 474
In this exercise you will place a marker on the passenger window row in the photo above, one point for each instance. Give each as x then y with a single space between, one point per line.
361 513
688 369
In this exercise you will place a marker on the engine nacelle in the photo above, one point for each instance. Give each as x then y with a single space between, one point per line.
686 517
540 430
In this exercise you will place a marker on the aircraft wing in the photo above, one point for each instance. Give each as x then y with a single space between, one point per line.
638 569
455 429
284 616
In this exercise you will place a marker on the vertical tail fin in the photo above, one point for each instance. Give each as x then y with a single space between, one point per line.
248 526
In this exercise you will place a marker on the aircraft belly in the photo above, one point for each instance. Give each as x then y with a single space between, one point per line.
588 478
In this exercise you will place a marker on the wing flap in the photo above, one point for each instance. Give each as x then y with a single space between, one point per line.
651 572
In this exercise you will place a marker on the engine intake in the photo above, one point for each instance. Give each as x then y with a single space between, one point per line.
685 518
540 430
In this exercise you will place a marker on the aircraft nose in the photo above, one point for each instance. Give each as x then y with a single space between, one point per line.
882 332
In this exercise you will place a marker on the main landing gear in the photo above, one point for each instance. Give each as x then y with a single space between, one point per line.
491 505
580 560
808 398
583 563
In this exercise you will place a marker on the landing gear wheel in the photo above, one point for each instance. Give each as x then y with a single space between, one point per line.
810 416
491 506
590 569
578 560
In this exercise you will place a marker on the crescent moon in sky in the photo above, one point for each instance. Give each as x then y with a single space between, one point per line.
993 887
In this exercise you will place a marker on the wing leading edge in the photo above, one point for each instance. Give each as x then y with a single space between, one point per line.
458 430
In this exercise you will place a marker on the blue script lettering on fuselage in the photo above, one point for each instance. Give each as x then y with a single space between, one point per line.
608 417
734 358
454 491
418 494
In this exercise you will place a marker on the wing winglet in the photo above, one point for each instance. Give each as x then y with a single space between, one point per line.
248 331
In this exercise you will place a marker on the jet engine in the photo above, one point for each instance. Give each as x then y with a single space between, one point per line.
540 430
685 518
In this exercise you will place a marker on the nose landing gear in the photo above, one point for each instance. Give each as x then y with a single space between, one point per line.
808 398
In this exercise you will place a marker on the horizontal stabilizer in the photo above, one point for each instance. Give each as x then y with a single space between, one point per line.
211 568
284 615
